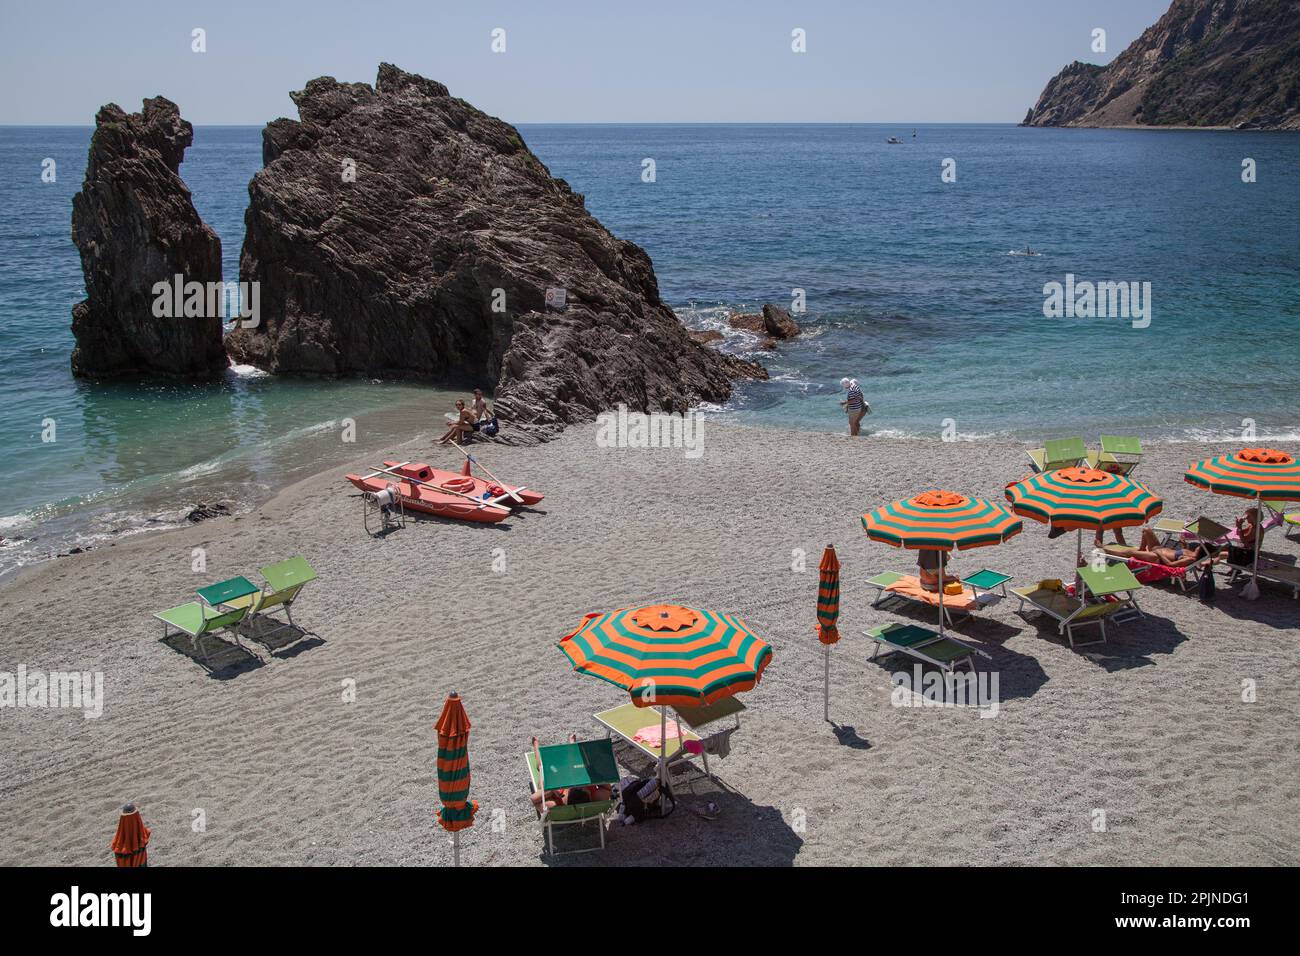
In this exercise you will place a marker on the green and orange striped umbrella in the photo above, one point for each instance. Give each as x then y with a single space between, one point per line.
828 596
1070 499
1250 473
1264 474
458 809
828 612
941 521
669 655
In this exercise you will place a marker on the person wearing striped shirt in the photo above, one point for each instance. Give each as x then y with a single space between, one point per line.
855 404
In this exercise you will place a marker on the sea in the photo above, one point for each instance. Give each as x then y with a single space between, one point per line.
924 269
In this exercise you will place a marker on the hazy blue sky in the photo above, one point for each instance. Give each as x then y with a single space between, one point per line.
899 61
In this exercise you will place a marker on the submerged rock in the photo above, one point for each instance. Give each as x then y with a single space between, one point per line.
135 225
202 512
398 232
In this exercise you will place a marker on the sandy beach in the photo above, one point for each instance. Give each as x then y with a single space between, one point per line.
1150 727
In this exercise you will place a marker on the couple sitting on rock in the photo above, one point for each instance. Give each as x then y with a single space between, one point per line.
477 418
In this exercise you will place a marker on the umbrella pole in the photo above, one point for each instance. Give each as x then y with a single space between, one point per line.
455 848
1078 559
663 745
827 648
943 564
1251 591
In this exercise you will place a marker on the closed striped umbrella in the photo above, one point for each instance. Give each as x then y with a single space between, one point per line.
941 521
1259 473
828 612
828 596
1083 498
130 843
458 809
669 655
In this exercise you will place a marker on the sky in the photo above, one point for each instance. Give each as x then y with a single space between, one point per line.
565 61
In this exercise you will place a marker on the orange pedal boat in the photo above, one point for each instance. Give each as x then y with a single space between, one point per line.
448 494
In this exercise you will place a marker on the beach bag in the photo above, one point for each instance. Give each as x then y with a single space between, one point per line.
490 427
1206 586
647 799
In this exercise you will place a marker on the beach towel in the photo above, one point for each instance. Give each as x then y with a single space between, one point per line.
650 735
910 588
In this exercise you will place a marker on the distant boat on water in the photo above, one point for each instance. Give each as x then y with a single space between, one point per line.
894 140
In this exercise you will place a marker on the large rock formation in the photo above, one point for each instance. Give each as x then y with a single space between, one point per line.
1229 63
397 231
135 226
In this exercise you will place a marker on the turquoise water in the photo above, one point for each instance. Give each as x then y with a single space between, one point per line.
909 286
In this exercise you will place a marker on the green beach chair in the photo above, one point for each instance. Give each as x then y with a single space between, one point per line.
1119 454
1115 588
923 644
563 766
284 582
197 619
1058 453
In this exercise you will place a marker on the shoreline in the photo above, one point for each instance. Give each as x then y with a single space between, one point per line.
1149 725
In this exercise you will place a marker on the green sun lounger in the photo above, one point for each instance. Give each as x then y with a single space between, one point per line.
284 582
563 766
923 644
197 619
1058 453
1113 587
1119 454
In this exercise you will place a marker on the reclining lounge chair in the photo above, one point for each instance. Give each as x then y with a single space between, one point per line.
1058 453
923 644
1113 592
587 763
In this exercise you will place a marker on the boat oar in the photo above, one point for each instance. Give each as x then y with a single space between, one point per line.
446 491
510 491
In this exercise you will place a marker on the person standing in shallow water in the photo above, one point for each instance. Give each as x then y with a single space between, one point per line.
855 405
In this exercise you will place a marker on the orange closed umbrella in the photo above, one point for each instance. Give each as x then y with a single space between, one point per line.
458 810
828 610
131 841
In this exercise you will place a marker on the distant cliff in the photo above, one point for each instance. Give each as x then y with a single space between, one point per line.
398 232
1232 63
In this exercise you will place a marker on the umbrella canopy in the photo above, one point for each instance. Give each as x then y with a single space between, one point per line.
1249 473
131 841
458 810
1259 473
669 654
828 596
1071 499
941 521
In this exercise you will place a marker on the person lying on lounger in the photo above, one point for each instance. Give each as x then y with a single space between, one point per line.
462 427
567 796
1152 552
927 566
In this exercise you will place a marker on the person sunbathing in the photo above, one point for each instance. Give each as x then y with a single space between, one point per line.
1248 527
566 796
462 427
928 562
1151 551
